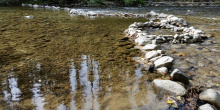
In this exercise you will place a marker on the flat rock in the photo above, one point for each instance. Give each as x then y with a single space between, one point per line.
207 107
150 47
169 87
142 40
211 96
165 61
179 76
151 54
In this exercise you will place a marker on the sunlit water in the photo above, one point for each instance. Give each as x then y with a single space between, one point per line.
57 61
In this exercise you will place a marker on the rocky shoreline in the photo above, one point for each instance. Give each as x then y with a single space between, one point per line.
175 83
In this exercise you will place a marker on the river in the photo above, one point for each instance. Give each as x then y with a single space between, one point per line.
58 61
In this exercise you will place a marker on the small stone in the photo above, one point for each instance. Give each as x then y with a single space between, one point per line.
162 70
179 76
150 47
207 107
169 87
151 54
165 61
211 96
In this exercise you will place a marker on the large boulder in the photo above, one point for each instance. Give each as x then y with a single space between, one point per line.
211 96
207 107
164 61
169 87
179 76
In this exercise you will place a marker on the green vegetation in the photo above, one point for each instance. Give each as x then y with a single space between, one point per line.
95 2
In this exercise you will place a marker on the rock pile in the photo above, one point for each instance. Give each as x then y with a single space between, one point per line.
162 63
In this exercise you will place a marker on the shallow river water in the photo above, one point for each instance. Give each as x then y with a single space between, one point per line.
57 61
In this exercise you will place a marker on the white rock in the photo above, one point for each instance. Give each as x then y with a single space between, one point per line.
169 87
207 107
160 51
150 47
165 61
155 58
162 70
162 15
142 40
139 24
151 54
152 13
211 96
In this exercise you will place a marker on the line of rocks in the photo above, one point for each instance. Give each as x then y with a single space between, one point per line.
155 59
36 6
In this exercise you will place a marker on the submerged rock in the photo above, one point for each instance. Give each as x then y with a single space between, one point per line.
207 107
211 96
169 87
179 76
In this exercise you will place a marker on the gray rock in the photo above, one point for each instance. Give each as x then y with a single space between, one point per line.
151 54
150 47
165 61
162 70
211 96
169 87
179 76
207 107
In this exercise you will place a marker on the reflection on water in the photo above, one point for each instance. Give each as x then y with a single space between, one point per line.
15 91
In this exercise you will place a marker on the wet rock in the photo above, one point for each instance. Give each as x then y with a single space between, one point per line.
211 96
162 70
142 40
165 61
179 76
151 54
169 87
207 107
150 47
